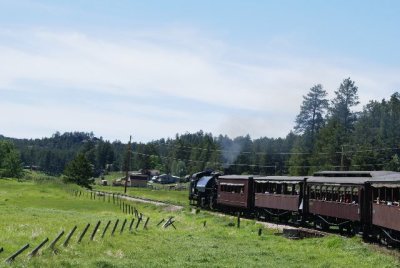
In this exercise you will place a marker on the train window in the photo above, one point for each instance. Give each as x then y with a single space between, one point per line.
311 191
388 194
289 189
347 195
278 188
354 198
318 192
261 187
396 192
335 194
327 196
272 188
297 189
232 188
375 195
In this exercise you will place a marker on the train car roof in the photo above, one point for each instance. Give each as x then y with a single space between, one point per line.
280 179
366 174
237 177
355 177
338 180
389 180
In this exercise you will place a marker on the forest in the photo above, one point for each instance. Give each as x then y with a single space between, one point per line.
328 134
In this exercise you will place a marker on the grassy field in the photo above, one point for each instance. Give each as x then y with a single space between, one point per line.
33 211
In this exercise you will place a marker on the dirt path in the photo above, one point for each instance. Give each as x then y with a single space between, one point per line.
169 207
278 227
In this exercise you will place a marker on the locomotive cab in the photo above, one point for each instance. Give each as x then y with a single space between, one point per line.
203 189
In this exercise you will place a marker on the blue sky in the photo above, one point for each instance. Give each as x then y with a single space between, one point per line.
156 68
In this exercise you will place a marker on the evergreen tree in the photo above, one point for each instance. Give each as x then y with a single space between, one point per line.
345 99
394 164
326 154
79 171
312 111
335 136
10 161
308 123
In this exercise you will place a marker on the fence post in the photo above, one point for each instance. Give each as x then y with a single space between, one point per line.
138 222
158 224
259 232
36 249
238 220
105 229
145 224
69 236
130 226
204 223
123 226
115 227
53 243
95 230
12 257
83 233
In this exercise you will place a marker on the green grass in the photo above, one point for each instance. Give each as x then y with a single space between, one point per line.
31 212
169 196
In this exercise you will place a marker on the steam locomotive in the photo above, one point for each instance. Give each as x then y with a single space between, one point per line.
364 202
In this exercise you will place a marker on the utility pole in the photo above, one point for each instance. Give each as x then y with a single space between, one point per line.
128 163
342 159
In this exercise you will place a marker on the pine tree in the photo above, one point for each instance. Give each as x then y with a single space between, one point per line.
79 171
308 123
345 99
312 111
10 160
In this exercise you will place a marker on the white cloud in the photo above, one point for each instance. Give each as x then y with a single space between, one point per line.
262 95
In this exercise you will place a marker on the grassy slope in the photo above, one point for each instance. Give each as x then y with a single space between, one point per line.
30 212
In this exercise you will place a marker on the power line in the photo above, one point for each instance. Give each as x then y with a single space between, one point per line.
259 166
278 153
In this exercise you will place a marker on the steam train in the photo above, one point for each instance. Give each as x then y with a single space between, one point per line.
355 202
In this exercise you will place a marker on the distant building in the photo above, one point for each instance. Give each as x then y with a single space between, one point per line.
137 180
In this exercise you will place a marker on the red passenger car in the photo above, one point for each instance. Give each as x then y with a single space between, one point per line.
385 198
235 191
279 196
338 199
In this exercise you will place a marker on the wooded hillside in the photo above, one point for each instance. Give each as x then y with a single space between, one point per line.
328 135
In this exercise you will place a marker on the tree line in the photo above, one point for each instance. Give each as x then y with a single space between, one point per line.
328 134
331 135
